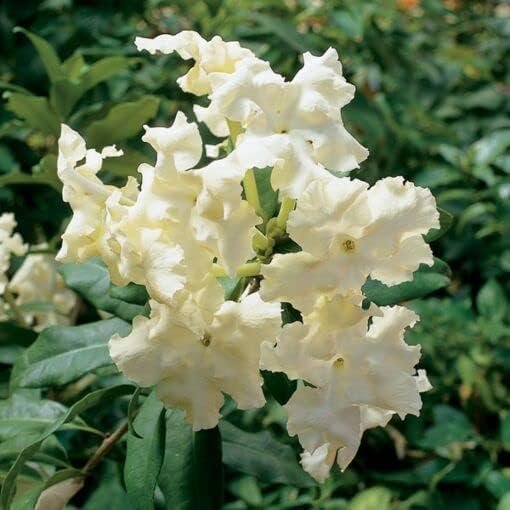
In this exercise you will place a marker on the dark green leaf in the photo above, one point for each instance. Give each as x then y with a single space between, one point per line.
144 455
132 410
131 293
64 94
35 111
62 354
262 456
102 70
268 197
279 385
192 475
505 431
92 281
21 414
46 53
123 121
283 30
110 494
91 400
491 301
126 164
375 498
445 223
425 280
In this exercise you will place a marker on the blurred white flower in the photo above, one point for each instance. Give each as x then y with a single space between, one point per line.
40 292
10 244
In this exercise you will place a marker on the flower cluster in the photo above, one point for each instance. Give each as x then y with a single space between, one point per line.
36 295
186 229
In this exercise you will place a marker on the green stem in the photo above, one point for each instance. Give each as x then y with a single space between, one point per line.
285 209
252 193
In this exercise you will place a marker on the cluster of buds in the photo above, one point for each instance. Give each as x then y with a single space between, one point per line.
191 232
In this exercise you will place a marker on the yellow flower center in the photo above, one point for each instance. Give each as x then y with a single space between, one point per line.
206 340
339 363
348 246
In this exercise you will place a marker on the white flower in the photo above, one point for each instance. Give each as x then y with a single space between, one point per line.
298 121
85 193
347 233
37 283
361 376
152 234
195 353
212 58
10 244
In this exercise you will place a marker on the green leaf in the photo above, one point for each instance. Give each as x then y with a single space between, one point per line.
21 414
123 121
92 281
192 474
91 400
102 70
131 293
505 431
64 94
73 66
262 456
450 426
132 410
52 490
144 455
504 502
491 301
45 172
425 280
46 53
126 164
35 111
110 494
13 334
268 197
488 148
283 30
279 385
375 498
62 354
445 223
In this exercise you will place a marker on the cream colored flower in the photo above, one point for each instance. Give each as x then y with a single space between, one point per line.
298 121
86 194
222 219
349 232
195 353
38 286
10 244
153 235
361 376
211 57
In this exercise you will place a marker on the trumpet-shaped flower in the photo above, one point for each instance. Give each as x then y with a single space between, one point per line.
86 194
194 354
349 232
299 120
361 375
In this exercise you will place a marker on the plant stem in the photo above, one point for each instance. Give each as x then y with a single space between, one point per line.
252 193
104 448
285 209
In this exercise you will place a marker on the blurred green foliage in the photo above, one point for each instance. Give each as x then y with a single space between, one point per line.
432 104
